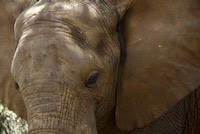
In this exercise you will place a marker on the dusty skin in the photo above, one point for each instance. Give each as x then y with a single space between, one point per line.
81 71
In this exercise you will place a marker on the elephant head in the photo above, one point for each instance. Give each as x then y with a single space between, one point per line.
69 63
66 67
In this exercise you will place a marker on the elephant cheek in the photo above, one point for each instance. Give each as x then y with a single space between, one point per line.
58 109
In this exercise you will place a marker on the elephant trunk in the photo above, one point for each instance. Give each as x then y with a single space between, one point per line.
58 109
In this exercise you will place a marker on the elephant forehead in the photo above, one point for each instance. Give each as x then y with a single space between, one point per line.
79 13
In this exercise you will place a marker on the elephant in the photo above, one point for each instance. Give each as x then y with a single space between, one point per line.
109 66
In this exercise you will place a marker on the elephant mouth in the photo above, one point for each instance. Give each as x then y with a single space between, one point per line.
58 109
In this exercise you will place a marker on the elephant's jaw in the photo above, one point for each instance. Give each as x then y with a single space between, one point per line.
58 109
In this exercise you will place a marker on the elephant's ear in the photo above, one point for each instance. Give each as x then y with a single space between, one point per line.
162 66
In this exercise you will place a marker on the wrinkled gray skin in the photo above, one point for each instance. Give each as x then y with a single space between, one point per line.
56 60
68 65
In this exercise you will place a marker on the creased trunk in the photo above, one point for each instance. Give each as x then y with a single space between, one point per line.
58 109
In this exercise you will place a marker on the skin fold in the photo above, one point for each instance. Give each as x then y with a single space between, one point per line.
122 67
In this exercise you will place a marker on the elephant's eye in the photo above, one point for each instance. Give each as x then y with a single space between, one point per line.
92 79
